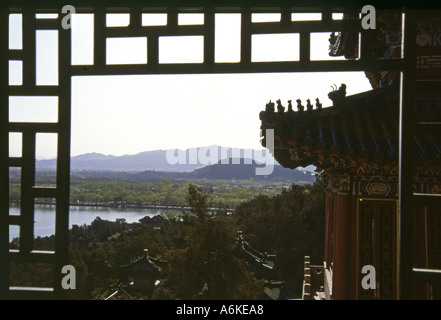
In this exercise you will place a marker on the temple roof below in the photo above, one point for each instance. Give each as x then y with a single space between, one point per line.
261 264
144 265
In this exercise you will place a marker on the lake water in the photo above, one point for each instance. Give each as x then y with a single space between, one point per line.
45 217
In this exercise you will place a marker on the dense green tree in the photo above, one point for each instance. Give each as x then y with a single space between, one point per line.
198 201
290 224
206 267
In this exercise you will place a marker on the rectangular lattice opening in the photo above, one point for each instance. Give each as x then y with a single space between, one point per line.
47 57
126 50
265 17
227 37
306 16
190 19
190 48
14 237
46 149
117 19
44 224
14 191
15 72
33 109
153 19
16 31
82 38
15 144
46 16
275 47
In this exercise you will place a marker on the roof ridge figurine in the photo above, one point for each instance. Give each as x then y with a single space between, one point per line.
280 108
290 110
318 104
269 107
338 96
309 106
300 107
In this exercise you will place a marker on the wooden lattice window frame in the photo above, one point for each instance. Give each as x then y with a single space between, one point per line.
59 256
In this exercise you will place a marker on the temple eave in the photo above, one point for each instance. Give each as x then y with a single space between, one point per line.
357 130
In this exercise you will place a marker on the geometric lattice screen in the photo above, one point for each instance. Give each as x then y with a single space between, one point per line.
377 246
61 92
28 129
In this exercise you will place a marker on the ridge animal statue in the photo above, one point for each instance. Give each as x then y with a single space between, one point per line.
290 110
342 90
269 107
318 104
338 96
300 108
280 108
309 106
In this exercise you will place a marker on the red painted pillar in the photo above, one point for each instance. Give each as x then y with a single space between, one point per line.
342 236
328 229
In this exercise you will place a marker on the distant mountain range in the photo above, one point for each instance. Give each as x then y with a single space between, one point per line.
172 160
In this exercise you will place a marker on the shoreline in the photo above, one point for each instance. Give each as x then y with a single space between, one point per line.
128 206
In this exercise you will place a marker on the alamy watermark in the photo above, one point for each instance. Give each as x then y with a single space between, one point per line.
212 155
369 20
67 21
69 280
369 280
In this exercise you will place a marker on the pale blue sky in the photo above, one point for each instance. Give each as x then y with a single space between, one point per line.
129 114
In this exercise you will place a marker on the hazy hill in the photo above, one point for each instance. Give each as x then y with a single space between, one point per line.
245 170
187 160
148 160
